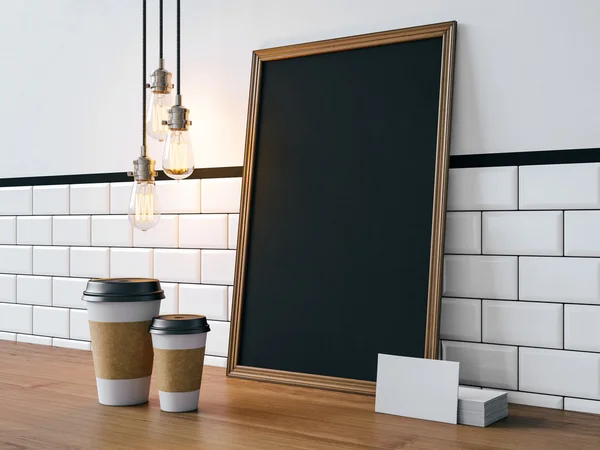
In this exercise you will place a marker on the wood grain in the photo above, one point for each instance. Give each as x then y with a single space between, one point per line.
48 401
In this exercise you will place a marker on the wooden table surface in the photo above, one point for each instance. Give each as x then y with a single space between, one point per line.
48 401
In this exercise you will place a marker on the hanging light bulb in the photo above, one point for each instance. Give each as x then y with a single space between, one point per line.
161 99
143 212
178 156
143 208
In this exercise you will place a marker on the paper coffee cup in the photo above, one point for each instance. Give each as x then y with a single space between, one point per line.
120 312
179 341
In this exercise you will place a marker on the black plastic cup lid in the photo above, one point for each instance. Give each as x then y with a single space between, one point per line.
123 290
179 324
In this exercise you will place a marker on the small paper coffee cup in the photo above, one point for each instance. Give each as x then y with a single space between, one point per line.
120 312
179 341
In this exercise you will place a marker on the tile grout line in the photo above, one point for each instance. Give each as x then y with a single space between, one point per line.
563 327
481 300
519 369
518 279
563 305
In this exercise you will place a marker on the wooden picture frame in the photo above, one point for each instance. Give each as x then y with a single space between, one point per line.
447 32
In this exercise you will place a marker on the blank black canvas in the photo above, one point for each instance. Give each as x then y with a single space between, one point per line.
341 210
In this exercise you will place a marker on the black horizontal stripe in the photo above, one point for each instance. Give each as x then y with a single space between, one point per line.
115 177
583 155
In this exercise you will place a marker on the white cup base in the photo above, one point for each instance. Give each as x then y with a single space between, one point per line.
123 392
179 401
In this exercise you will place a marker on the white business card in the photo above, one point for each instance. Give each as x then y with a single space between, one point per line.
416 387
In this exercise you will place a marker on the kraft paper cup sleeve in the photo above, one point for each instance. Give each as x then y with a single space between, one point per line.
121 350
179 370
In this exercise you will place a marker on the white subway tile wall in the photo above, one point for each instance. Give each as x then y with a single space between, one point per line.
51 261
90 262
216 361
217 343
16 318
174 197
203 231
165 234
522 294
111 231
16 201
34 290
170 304
522 233
8 288
221 195
234 222
8 230
564 280
35 230
463 232
4 336
522 323
16 259
218 266
120 195
484 364
581 405
481 276
513 273
72 231
53 239
560 372
487 188
581 233
66 292
90 198
529 399
461 319
52 322
564 186
177 265
582 327
229 302
131 263
50 200
33 339
78 325
210 301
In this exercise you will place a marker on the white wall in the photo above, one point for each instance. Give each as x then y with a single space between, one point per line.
526 76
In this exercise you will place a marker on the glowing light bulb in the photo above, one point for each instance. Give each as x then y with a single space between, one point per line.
178 157
143 211
160 103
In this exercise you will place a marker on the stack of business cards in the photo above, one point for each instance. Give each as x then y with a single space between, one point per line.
481 407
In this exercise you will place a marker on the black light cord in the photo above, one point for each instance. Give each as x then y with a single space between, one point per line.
178 47
160 29
144 76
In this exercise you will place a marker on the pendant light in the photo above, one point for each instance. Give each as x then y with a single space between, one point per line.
178 156
143 213
161 99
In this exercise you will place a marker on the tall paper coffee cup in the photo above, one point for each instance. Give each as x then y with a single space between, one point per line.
179 341
120 312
